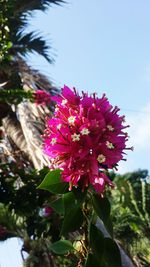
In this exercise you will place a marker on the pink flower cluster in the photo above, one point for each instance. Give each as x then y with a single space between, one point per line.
42 97
85 138
47 211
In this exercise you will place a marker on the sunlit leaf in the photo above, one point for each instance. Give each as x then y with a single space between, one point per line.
61 247
53 183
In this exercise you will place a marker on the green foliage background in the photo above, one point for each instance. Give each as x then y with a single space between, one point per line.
56 240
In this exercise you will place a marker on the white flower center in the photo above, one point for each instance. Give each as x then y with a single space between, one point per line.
75 137
64 102
56 108
101 158
53 141
85 131
109 145
59 126
110 128
71 119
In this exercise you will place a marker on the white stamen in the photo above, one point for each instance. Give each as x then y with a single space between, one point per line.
71 119
53 141
75 137
85 131
110 128
64 102
59 126
56 109
109 145
101 158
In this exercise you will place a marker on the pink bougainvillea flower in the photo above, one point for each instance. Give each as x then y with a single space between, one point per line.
42 97
85 138
47 211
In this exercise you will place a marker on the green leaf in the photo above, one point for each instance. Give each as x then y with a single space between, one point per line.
61 247
135 227
72 220
92 261
72 199
69 201
9 45
111 254
109 226
53 183
96 242
102 209
58 205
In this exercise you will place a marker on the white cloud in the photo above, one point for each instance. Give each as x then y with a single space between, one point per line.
140 128
139 133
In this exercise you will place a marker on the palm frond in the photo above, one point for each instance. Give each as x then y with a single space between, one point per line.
31 42
24 125
17 23
33 79
23 135
22 6
16 17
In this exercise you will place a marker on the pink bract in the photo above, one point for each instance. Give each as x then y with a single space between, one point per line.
85 138
47 211
42 97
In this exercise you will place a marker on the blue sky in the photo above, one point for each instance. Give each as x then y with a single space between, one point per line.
102 46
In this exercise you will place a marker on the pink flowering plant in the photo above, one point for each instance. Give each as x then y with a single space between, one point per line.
42 97
84 140
16 96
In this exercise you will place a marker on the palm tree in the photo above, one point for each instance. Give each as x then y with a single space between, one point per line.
21 123
26 119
